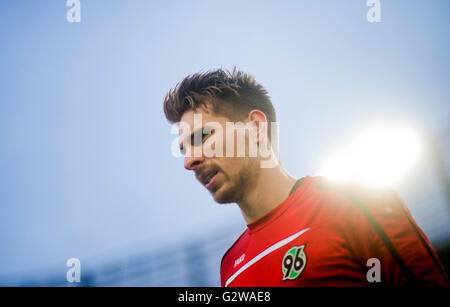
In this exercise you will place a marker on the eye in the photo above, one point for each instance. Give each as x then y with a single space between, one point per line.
206 135
201 137
183 150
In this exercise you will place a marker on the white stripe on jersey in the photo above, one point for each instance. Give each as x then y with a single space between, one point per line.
264 253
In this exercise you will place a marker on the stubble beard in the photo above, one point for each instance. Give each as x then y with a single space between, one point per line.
235 189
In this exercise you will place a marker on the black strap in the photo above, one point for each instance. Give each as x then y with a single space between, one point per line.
411 279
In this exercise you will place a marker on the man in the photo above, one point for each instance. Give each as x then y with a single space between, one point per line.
305 232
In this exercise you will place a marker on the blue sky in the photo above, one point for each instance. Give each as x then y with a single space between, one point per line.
85 153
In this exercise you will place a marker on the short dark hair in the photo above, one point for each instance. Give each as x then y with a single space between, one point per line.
233 94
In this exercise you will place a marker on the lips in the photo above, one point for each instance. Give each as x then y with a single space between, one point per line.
206 176
210 176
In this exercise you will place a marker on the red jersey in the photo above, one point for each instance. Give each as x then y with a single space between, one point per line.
333 235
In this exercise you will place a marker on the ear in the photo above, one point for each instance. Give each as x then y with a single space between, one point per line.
259 118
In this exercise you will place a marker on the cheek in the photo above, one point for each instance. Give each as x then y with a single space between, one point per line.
234 167
240 146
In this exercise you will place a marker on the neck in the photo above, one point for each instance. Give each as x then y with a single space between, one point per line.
271 188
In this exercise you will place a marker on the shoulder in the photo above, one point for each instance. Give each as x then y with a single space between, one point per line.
353 193
333 199
354 204
227 253
231 255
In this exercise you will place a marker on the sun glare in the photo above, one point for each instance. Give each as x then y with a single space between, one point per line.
377 156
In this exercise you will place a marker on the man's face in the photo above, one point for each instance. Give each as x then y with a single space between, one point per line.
227 177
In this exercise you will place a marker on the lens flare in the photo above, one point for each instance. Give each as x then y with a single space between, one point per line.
377 156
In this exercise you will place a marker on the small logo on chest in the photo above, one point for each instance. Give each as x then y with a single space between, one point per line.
294 261
239 260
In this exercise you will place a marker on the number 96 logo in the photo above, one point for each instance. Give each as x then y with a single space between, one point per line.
294 261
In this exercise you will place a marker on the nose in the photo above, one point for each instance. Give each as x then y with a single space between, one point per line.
191 163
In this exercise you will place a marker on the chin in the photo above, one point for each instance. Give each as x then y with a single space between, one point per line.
224 197
221 200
